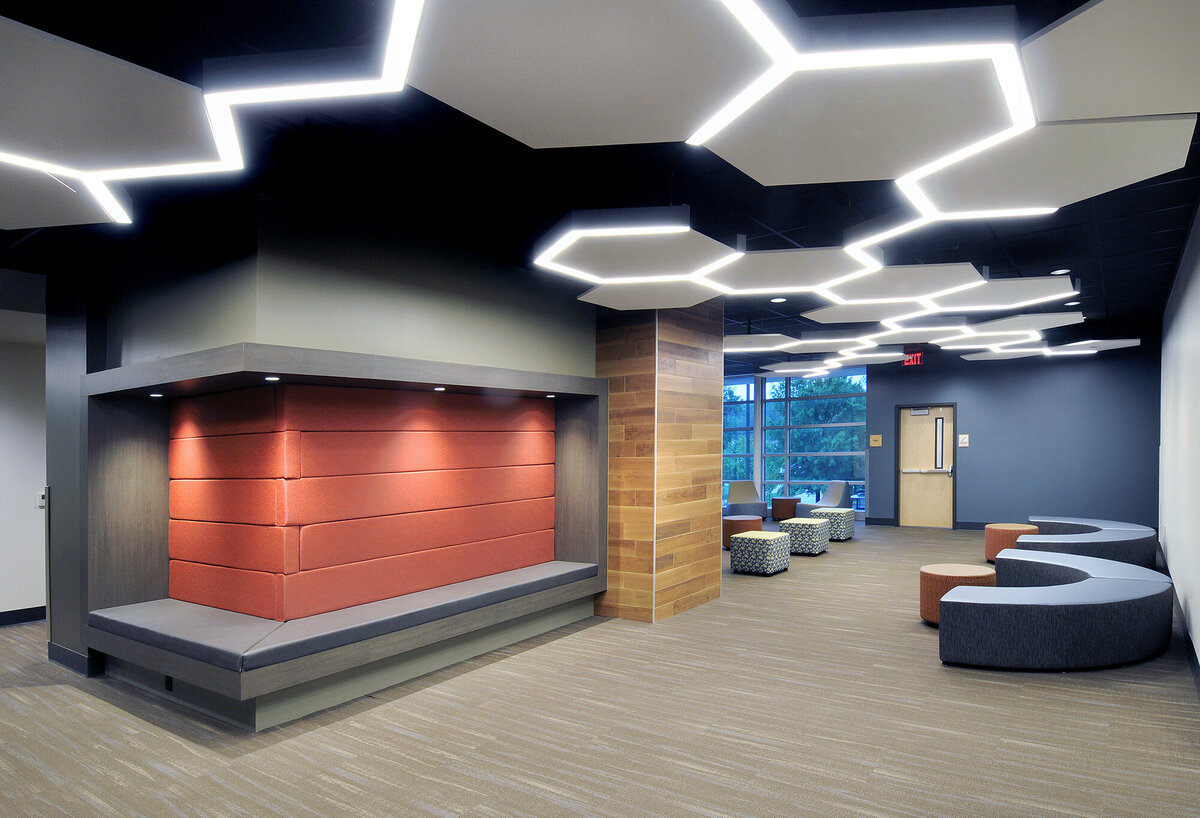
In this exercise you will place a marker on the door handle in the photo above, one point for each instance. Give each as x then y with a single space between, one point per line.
927 471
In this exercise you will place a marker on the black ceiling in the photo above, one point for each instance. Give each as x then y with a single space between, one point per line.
416 166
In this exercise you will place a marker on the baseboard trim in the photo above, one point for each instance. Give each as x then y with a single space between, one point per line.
1189 646
22 616
880 521
89 664
962 525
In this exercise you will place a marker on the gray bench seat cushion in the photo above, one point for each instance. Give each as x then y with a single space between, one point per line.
242 642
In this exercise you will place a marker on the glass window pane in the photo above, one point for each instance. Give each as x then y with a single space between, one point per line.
775 413
773 468
773 490
739 415
833 385
739 443
833 410
827 467
774 440
858 497
775 388
837 439
736 468
807 492
736 392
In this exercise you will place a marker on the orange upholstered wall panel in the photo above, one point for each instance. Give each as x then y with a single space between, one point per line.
258 593
326 544
330 453
254 547
227 413
227 501
337 409
287 501
235 456
328 589
323 499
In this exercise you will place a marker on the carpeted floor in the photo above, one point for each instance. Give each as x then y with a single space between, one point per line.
814 692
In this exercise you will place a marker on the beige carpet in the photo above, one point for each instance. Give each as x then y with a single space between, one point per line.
814 692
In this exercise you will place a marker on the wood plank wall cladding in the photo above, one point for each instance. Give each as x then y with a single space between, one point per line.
288 501
665 374
691 378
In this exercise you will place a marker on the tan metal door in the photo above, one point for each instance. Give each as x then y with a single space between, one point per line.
927 466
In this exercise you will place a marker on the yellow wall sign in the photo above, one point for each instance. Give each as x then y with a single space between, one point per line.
876 441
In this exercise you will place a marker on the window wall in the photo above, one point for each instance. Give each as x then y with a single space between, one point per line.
809 431
738 450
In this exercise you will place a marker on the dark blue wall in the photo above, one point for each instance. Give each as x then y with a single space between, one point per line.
1074 436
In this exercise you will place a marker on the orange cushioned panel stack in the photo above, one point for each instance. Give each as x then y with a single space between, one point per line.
289 501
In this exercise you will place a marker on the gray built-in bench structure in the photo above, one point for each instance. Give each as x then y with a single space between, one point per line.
1053 611
1108 539
259 672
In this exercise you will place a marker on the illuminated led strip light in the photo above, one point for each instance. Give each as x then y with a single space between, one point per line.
402 33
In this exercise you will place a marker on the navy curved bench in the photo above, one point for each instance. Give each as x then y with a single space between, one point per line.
1107 539
1054 611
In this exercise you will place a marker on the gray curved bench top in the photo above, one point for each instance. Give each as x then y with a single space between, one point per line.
1080 525
1109 539
241 642
1056 611
1031 567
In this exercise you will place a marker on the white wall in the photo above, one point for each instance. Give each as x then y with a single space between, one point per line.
22 475
1179 456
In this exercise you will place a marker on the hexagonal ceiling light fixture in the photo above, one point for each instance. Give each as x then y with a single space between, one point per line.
638 246
556 74
217 105
1016 108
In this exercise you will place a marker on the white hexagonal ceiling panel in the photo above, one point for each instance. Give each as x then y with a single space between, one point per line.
757 342
1117 58
910 282
36 199
1008 294
1057 164
76 107
663 295
863 123
784 271
853 313
561 73
1030 322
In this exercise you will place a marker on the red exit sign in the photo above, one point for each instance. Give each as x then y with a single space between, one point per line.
913 360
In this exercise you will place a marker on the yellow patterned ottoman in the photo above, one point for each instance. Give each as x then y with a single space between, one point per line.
841 521
759 552
809 535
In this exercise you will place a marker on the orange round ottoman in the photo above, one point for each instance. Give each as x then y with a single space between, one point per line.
998 536
783 508
940 577
736 524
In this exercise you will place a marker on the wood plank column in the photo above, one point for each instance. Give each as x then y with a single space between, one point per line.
665 371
